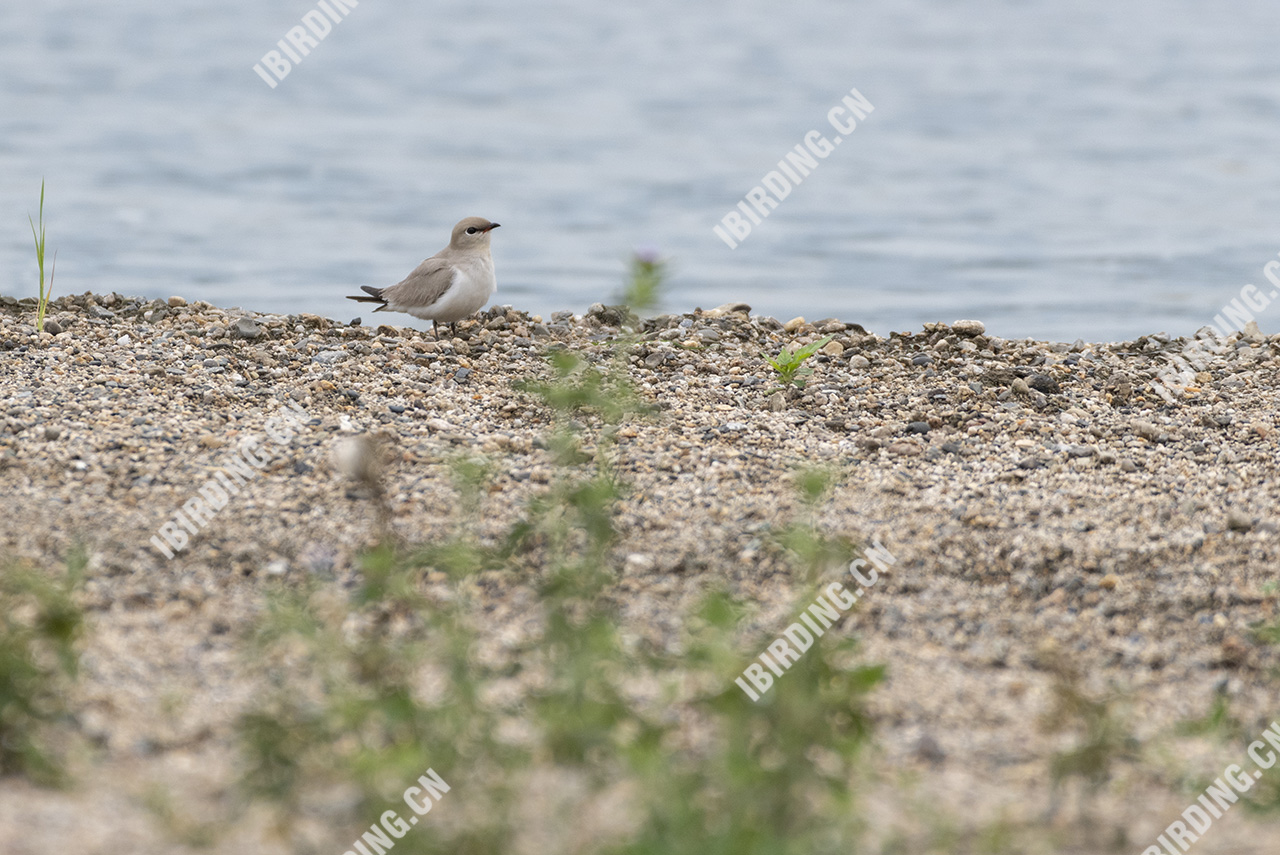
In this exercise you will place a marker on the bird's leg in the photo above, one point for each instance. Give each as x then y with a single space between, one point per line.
435 330
453 329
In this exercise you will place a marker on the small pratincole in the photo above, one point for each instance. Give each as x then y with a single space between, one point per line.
453 284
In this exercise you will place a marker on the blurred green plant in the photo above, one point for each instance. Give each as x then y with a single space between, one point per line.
178 824
777 776
789 365
39 234
1218 721
570 527
367 692
1266 632
40 625
804 539
369 687
1103 734
1264 797
577 387
646 280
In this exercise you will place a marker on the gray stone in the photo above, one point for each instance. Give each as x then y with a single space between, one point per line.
1238 520
1044 383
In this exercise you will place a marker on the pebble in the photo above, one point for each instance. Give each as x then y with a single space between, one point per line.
356 457
1147 430
1044 383
1238 520
639 562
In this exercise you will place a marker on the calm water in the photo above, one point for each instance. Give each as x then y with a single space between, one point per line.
1090 170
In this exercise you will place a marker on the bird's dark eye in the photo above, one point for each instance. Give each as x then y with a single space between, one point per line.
472 230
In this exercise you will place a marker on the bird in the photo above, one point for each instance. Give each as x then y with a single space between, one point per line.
452 284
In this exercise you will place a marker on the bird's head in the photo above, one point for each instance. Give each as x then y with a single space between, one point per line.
471 232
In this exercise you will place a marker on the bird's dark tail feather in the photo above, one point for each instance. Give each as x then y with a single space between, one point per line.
375 296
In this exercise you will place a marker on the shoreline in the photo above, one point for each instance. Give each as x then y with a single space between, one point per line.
1043 504
1246 326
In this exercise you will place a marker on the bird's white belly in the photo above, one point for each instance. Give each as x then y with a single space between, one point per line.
471 288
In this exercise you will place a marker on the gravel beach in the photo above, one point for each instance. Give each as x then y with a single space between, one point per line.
1049 513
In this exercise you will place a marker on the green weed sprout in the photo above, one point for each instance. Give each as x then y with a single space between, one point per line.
39 236
789 364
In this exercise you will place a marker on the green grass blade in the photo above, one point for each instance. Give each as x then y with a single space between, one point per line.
39 236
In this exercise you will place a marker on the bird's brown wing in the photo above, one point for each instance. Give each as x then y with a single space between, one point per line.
423 287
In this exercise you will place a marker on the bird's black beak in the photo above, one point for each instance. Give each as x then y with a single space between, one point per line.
490 227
